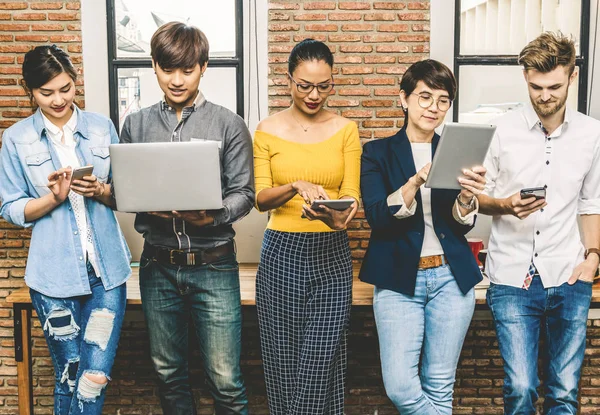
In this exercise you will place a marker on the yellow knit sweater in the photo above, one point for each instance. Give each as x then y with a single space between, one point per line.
333 163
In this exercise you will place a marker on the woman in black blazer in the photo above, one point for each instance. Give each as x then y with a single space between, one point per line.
418 258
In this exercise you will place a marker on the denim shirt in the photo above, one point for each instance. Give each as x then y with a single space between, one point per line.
56 265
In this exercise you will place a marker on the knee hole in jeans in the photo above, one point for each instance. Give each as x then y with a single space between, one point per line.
91 385
99 328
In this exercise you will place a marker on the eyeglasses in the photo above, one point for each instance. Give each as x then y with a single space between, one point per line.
426 101
308 88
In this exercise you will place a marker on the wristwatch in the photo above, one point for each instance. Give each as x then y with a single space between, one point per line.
591 251
469 205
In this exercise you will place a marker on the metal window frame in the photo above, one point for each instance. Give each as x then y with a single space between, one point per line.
115 63
581 61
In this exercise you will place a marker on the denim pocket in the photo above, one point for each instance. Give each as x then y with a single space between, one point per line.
40 166
225 264
101 162
144 262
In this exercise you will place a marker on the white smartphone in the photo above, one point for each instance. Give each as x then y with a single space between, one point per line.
338 204
79 172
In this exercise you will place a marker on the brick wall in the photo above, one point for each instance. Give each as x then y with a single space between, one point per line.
369 69
24 25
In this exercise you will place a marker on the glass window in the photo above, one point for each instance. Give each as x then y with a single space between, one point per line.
503 27
136 21
218 85
498 89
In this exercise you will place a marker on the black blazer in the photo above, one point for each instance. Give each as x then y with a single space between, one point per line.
392 259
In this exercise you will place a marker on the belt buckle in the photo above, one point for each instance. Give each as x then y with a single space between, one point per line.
189 256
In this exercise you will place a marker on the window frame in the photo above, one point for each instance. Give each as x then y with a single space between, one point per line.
581 61
115 63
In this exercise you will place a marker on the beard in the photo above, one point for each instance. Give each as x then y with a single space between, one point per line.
546 109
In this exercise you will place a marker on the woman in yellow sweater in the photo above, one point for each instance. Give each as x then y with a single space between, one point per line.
304 280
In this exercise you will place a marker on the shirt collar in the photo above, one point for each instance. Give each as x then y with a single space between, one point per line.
532 119
55 131
195 105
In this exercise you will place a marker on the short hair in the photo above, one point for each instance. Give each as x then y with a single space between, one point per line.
434 74
44 63
309 50
178 45
548 51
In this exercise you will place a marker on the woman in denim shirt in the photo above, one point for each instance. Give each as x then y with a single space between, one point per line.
78 260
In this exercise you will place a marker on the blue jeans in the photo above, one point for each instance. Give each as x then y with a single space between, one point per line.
99 317
420 339
209 295
519 315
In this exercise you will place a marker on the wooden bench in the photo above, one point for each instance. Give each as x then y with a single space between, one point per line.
362 295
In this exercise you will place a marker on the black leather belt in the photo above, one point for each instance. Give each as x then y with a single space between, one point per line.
183 257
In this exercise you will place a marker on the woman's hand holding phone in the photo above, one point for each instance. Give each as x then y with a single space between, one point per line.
59 183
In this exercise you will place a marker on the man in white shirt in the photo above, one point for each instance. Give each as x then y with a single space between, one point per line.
540 271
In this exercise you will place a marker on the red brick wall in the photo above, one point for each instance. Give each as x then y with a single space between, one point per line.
369 98
24 25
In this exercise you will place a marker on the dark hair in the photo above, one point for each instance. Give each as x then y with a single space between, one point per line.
548 51
42 64
309 50
178 45
434 74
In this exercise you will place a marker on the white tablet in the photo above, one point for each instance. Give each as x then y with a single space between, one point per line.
461 146
336 204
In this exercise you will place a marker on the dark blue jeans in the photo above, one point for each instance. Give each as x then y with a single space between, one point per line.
82 335
519 315
209 296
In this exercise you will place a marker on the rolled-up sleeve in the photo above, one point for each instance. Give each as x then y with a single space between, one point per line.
469 218
396 199
13 185
589 197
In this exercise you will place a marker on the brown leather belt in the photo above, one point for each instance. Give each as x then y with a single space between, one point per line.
183 257
433 261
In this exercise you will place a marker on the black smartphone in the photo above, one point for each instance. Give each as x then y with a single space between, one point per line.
537 192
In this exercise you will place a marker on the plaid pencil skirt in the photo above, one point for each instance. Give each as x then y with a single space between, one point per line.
303 298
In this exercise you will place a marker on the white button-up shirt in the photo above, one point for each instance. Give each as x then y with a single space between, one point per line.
63 141
567 163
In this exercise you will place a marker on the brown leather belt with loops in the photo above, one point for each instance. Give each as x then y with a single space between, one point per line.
433 261
183 257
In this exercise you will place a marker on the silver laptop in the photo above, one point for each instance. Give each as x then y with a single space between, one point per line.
461 146
166 176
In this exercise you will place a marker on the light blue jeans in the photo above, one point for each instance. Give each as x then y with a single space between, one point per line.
420 339
82 334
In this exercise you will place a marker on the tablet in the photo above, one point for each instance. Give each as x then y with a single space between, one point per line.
338 204
461 146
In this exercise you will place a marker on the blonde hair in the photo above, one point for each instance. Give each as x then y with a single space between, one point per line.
548 51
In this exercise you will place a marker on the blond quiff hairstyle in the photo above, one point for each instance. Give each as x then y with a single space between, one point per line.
548 51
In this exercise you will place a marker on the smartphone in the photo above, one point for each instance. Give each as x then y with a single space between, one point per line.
80 172
537 192
336 204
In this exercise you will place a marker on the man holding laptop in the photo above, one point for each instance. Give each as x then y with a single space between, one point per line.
188 269
540 272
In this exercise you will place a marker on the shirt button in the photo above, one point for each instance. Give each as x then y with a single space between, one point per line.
549 138
536 254
542 209
81 258
545 186
442 236
537 233
547 162
69 207
75 233
179 233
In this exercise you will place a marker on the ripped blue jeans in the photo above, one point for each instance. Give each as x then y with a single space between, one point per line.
82 334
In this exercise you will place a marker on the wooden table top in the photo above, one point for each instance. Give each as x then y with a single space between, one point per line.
362 293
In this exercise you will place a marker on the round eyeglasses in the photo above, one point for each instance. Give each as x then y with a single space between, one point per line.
306 89
426 101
